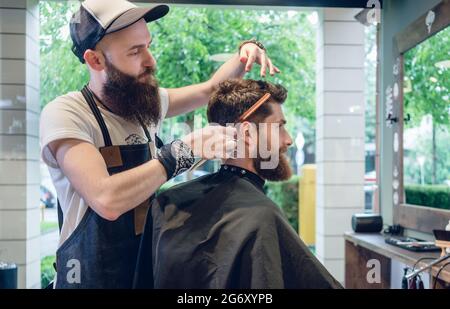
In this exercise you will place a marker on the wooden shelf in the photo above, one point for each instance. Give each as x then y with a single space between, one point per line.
375 243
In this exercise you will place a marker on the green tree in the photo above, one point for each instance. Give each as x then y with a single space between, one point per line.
186 38
183 42
412 169
60 70
370 66
428 91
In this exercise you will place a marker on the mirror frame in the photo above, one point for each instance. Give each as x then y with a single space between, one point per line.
415 217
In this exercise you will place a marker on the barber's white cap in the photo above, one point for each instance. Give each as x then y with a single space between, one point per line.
96 18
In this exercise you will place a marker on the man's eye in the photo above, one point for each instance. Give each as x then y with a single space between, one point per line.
134 53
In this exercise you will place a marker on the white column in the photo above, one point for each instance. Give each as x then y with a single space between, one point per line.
340 132
19 144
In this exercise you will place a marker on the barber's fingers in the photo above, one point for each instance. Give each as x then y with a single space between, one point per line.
250 60
264 62
276 69
224 147
271 67
243 56
220 146
204 141
250 53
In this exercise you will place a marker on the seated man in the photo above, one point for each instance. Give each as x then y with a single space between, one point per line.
221 230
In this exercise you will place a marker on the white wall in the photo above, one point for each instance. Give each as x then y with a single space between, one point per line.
340 132
19 143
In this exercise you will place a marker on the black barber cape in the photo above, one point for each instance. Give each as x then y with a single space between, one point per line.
222 231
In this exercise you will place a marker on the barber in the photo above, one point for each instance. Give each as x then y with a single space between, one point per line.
101 145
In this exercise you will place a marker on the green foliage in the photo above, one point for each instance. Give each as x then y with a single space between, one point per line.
285 195
186 38
183 42
429 84
428 195
60 70
370 83
47 270
427 93
423 149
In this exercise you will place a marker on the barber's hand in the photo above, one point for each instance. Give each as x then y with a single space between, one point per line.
212 142
251 53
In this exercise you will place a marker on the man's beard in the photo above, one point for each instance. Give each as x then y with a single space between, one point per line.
281 172
130 98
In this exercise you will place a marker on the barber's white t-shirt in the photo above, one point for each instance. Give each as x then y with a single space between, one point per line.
69 116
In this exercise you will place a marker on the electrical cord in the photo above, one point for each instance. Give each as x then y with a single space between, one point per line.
414 274
421 259
419 285
438 273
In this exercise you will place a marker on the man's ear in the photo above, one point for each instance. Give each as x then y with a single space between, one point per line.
244 132
94 59
249 132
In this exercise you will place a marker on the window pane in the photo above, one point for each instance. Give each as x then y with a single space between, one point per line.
426 135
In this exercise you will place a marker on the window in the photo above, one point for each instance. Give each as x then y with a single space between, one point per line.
418 113
426 131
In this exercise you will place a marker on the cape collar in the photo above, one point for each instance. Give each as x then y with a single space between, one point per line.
244 173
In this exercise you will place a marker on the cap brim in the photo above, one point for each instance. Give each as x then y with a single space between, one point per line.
131 16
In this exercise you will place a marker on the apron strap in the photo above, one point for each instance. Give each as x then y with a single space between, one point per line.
147 134
90 100
159 142
60 216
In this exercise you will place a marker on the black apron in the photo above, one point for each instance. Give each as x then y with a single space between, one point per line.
102 253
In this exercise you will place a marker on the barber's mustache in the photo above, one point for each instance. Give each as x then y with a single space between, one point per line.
283 150
147 73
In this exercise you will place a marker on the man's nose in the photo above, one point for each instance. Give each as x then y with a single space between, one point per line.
288 141
150 61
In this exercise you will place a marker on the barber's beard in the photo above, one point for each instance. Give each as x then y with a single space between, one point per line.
280 172
131 98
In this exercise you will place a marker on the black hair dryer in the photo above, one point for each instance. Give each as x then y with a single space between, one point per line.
367 223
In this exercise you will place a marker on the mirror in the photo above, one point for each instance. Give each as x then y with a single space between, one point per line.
426 130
